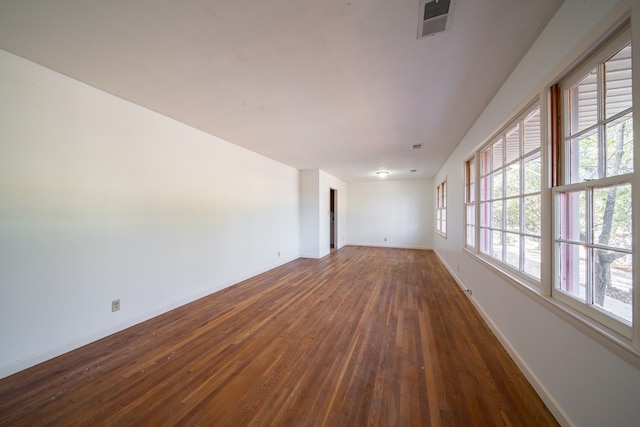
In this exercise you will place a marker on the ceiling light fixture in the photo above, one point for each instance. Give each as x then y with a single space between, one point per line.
382 174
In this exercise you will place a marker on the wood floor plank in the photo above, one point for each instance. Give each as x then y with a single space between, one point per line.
364 336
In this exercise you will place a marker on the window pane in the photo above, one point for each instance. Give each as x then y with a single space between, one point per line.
485 241
618 82
497 215
485 188
513 214
485 161
471 237
497 154
613 285
470 229
532 131
513 144
512 242
513 180
532 215
584 158
620 146
584 107
485 214
472 182
532 174
496 250
532 256
471 214
572 216
572 270
612 216
497 185
472 192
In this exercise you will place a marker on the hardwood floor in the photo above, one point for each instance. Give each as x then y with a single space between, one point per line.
364 336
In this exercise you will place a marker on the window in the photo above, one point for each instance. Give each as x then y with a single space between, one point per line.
572 154
509 213
592 202
441 208
470 203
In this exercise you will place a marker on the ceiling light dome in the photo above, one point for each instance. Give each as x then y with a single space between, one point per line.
382 174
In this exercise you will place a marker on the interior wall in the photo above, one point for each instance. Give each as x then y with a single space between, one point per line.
584 383
327 183
309 213
315 188
101 199
391 213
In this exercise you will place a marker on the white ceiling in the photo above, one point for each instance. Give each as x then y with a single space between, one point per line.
340 85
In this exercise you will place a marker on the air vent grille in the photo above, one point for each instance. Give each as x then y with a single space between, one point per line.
434 17
436 8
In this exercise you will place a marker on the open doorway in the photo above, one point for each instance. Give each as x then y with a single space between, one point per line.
333 219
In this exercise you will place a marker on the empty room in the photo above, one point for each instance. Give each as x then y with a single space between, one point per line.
335 213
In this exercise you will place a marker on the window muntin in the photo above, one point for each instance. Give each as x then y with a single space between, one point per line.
510 196
593 209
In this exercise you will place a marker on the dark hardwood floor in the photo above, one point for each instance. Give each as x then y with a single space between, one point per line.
364 336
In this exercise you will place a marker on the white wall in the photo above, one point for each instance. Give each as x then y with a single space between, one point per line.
399 211
315 188
310 213
102 199
585 383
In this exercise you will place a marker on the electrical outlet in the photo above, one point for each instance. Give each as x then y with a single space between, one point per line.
385 239
278 254
115 305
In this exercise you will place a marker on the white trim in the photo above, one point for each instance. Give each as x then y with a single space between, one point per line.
635 76
368 245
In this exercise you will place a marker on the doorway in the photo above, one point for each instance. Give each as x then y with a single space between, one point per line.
333 219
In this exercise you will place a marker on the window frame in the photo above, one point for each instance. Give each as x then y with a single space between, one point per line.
470 202
566 183
441 208
515 273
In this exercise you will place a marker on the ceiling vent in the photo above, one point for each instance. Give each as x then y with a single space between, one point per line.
417 146
434 17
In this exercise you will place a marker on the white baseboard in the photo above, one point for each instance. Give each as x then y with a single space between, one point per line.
542 391
369 245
